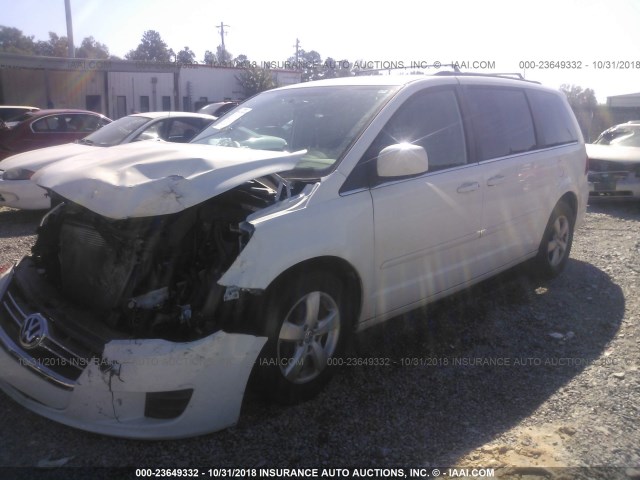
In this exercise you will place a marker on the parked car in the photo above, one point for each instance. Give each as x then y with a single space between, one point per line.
45 128
9 112
218 109
166 274
17 190
614 162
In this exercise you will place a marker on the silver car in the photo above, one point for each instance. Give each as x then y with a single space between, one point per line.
614 162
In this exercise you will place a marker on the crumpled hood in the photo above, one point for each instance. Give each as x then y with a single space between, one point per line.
613 153
36 159
147 178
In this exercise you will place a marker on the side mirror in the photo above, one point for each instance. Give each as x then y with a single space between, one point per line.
402 159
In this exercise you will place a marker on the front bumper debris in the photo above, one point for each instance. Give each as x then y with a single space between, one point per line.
151 388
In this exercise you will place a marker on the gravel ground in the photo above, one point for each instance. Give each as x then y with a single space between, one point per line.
513 375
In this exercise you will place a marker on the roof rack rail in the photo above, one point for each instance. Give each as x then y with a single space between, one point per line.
512 75
452 65
455 72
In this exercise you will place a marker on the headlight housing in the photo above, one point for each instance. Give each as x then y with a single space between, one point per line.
17 174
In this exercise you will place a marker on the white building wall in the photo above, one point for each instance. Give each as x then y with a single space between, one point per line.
68 89
115 87
285 77
133 85
52 88
630 100
202 84
23 87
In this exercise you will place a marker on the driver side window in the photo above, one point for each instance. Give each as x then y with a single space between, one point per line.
429 119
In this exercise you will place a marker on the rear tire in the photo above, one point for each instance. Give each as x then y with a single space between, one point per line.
556 242
306 328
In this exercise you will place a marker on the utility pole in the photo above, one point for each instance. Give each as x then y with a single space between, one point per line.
297 45
222 32
71 50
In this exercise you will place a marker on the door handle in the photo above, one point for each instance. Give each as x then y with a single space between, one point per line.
496 180
468 187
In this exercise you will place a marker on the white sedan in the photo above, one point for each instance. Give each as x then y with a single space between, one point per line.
17 190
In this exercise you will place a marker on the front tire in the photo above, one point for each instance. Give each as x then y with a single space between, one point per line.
556 242
306 328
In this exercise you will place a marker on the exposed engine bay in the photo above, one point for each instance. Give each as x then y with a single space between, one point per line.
154 277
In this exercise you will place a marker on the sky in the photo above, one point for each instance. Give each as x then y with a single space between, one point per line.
591 43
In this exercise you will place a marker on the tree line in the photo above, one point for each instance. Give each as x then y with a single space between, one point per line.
254 79
152 48
12 40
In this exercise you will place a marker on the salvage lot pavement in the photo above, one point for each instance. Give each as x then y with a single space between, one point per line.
514 375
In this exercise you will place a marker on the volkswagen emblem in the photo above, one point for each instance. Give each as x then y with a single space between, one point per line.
33 331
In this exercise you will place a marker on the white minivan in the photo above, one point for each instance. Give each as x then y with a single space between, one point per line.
165 275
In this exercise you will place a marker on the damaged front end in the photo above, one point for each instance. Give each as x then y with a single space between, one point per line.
614 164
119 326
614 179
151 277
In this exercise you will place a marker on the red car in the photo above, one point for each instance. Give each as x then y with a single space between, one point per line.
45 128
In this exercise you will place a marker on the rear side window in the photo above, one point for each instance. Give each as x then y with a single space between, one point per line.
71 123
54 123
81 123
553 120
501 120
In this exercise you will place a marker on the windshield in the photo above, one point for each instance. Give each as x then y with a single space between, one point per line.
115 132
621 136
21 117
16 114
324 121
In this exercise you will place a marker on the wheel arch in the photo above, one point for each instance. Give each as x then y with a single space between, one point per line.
543 266
330 264
571 200
324 272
